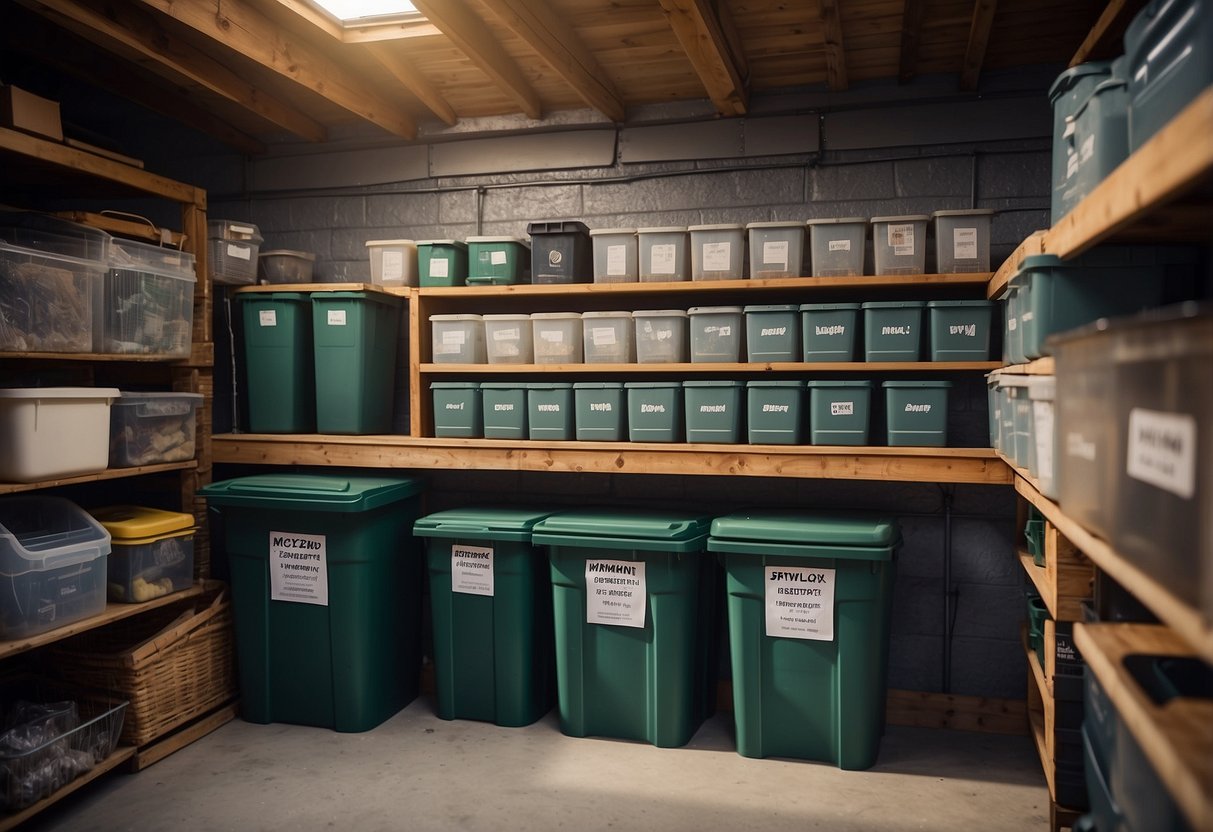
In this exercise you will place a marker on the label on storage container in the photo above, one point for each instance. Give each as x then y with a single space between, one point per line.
336 317
472 569
1042 414
617 261
775 254
964 243
603 336
497 258
267 317
615 592
240 252
454 337
440 267
1162 450
663 258
842 408
719 331
840 245
552 336
299 571
393 265
800 602
716 256
901 238
507 334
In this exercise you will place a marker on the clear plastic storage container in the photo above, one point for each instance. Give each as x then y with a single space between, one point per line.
151 428
962 241
557 337
508 339
148 300
285 266
717 333
615 255
152 551
609 337
457 339
664 254
837 246
233 251
661 336
899 244
393 262
49 302
50 432
776 249
717 252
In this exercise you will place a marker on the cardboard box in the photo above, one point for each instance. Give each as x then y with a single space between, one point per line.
25 111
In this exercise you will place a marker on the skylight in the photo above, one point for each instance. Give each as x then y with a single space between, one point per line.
352 11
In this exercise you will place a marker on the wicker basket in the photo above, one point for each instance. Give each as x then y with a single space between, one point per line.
172 664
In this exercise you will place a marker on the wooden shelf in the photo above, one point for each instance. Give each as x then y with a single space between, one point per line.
201 355
1184 619
700 368
107 474
1040 367
116 758
967 465
1177 738
322 287
1029 247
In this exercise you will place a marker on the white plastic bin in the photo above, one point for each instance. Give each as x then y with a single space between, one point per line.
717 252
557 337
837 246
899 244
661 336
615 255
508 339
50 432
609 337
716 334
1042 391
393 262
457 339
776 249
962 241
664 254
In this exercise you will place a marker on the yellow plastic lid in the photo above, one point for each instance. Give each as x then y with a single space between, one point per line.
129 525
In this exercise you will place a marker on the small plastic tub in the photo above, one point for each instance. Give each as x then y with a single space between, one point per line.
550 411
442 262
839 412
608 337
233 251
713 411
774 412
285 266
717 251
153 428
457 409
148 302
716 334
508 339
557 337
661 336
899 244
498 261
962 241
772 332
892 330
601 411
664 254
457 339
917 413
655 411
50 432
152 551
505 409
837 246
960 329
1042 392
615 255
829 331
393 262
776 249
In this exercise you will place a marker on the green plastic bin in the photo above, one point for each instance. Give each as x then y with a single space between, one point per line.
550 410
654 411
713 411
497 261
278 362
491 602
442 262
773 412
772 332
960 329
917 412
457 409
829 331
892 330
839 412
355 349
505 409
635 607
601 411
809 599
326 595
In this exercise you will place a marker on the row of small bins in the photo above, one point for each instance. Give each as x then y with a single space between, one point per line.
616 622
1022 424
760 412
948 330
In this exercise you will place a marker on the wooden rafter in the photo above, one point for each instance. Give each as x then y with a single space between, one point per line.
405 71
246 30
1104 39
362 32
979 38
698 28
561 48
911 35
123 28
836 56
476 40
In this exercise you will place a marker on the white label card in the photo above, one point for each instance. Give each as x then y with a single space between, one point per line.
615 592
512 334
1042 413
393 265
662 259
800 602
552 336
454 337
842 408
472 569
716 256
299 570
901 238
336 317
267 317
775 254
840 245
1162 450
603 336
440 267
497 258
616 260
964 243
240 252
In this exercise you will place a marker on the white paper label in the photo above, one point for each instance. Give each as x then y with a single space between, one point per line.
603 336
240 252
472 569
1042 414
512 334
662 259
454 337
440 268
1071 163
964 243
393 265
336 317
842 408
1079 446
1086 150
242 229
800 602
1162 450
1012 324
901 238
497 258
775 254
617 260
840 245
552 336
299 570
716 256
615 592
267 317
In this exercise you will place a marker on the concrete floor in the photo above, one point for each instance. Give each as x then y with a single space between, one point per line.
417 772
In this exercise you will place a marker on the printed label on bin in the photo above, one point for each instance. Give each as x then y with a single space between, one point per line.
615 592
1043 414
240 252
299 571
497 258
617 260
1081 447
964 243
1071 164
472 569
716 256
842 408
800 602
775 254
507 334
267 317
453 337
840 245
393 265
719 331
440 267
603 336
552 336
1162 450
901 238
336 317
662 259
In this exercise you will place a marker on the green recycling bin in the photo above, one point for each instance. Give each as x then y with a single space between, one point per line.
355 344
492 614
635 611
326 595
278 362
809 600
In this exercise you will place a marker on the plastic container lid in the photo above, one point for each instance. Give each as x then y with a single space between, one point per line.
455 385
310 492
823 383
722 226
659 313
136 525
549 385
502 385
1042 388
369 243
496 523
151 405
662 229
775 384
598 385
1068 79
594 232
284 252
904 218
838 529
76 539
838 221
606 314
651 385
59 393
505 316
464 317
776 224
713 384
894 304
615 528
455 243
556 315
916 384
772 307
968 212
1013 380
128 254
947 304
518 240
714 310
827 307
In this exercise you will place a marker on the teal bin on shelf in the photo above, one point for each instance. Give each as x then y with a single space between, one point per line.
917 412
457 409
839 412
960 329
279 362
601 408
713 411
774 413
892 330
654 411
550 410
830 331
355 353
505 409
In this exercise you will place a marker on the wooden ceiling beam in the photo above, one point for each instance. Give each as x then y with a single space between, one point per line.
136 32
979 39
911 34
1105 38
476 40
405 71
361 32
244 29
556 42
698 28
836 55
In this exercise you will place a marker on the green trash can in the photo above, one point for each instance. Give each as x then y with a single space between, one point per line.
458 409
654 411
278 362
355 346
773 412
326 595
634 600
809 599
492 615
550 410
839 412
601 411
713 411
917 412
504 404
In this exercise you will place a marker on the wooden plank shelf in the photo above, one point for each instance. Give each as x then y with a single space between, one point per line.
1177 737
945 465
699 368
1046 366
116 758
107 474
201 355
1032 245
261 288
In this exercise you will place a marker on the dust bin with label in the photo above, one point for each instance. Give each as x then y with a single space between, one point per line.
808 681
326 592
634 598
355 345
492 615
278 361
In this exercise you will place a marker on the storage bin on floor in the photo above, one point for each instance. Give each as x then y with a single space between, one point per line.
899 244
560 252
52 565
279 362
601 411
509 339
809 600
661 336
457 409
713 411
234 247
665 254
773 412
839 412
1169 63
917 412
776 249
962 241
505 409
442 262
615 255
550 412
772 333
960 329
152 551
152 428
654 411
716 334
457 339
498 261
286 266
48 432
893 330
148 300
355 344
608 337
830 331
491 600
634 599
393 262
838 246
1090 129
717 251
557 337
326 590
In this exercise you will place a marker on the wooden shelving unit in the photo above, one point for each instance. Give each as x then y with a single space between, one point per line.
746 368
119 756
107 474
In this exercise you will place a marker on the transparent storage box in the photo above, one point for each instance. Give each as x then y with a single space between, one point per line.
49 302
717 252
962 241
661 336
615 255
286 266
234 247
508 339
50 432
609 337
457 339
664 254
393 262
717 333
148 300
776 249
557 337
152 551
899 244
152 428
837 246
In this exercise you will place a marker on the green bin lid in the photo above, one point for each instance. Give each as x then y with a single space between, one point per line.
799 384
772 307
827 307
1068 79
916 384
487 523
894 304
455 243
611 528
272 297
821 383
312 492
797 527
1039 261
713 384
454 385
503 385
651 385
598 385
373 297
549 385
949 304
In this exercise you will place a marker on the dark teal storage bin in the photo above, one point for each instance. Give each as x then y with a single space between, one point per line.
830 331
1169 46
654 411
279 362
839 412
713 411
892 330
601 410
1090 129
457 409
354 339
550 411
505 409
960 329
774 412
917 412
772 332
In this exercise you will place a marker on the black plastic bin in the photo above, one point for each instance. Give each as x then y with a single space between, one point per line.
561 252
